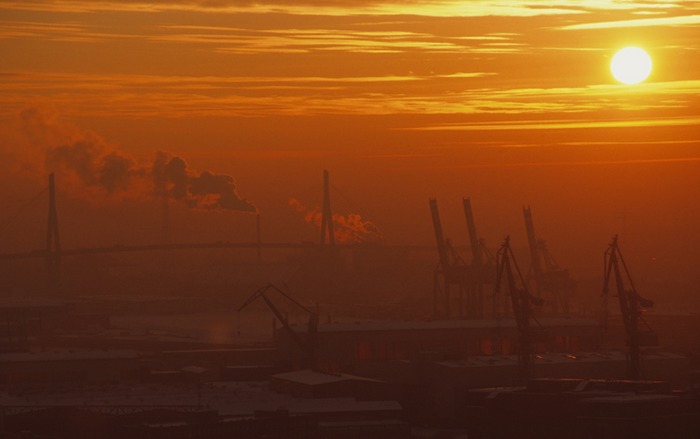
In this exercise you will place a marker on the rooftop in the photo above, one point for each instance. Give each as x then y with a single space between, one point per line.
77 355
230 399
512 360
311 377
387 325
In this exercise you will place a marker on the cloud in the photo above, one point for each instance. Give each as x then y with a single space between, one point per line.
460 93
59 32
236 40
563 124
444 8
176 96
576 163
639 22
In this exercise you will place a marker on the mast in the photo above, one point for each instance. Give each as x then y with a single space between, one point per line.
327 216
631 307
473 237
53 241
534 253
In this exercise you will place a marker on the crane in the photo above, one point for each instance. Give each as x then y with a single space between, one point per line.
477 260
522 302
550 279
451 269
306 345
631 307
482 264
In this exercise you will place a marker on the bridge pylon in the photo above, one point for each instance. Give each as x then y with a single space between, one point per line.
327 215
53 242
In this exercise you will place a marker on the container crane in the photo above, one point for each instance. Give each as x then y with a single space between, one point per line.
551 281
451 269
307 345
508 272
631 307
482 266
477 253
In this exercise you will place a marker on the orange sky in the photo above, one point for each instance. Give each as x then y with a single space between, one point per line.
508 102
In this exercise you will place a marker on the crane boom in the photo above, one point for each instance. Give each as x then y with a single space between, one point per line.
307 346
473 237
534 252
451 269
443 252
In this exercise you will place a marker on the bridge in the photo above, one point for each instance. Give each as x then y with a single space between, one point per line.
53 251
44 253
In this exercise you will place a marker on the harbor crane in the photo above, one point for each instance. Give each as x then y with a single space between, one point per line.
453 271
551 281
307 344
450 271
508 272
631 307
482 265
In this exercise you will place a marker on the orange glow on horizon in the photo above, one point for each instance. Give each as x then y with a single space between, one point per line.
503 101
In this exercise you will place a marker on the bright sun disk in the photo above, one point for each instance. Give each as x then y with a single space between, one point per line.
631 65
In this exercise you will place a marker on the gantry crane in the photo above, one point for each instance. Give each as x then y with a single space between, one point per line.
482 265
307 345
450 271
631 307
507 271
551 281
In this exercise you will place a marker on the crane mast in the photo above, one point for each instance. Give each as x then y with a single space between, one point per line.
443 252
522 302
534 252
551 281
481 269
451 269
631 307
473 237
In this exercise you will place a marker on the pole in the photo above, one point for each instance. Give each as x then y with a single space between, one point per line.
53 241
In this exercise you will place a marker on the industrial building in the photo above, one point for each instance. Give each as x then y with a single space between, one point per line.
347 346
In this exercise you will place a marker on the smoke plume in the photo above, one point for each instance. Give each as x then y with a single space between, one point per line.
348 229
204 190
87 164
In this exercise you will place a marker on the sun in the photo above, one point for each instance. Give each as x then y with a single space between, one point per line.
631 65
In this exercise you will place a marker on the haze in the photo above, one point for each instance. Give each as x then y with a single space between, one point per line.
509 103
